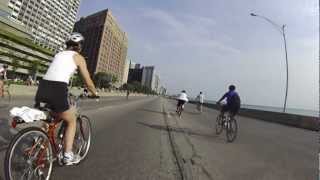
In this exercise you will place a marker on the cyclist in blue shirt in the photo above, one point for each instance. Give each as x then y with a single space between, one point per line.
233 101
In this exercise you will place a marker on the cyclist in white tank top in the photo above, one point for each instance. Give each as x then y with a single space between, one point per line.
62 67
53 89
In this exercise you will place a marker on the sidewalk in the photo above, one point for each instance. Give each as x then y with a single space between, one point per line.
22 90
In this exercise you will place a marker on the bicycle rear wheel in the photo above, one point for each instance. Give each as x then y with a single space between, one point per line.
29 156
231 130
219 124
82 140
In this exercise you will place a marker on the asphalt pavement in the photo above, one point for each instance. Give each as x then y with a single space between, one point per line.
143 139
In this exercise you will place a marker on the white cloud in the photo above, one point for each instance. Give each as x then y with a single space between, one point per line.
188 31
207 47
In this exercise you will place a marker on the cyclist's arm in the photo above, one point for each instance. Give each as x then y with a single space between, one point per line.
222 98
82 65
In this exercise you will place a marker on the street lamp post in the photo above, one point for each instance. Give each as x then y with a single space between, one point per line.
281 29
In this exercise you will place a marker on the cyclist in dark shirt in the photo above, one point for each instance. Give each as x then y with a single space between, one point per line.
233 101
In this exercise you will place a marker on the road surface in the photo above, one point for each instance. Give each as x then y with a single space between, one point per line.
143 139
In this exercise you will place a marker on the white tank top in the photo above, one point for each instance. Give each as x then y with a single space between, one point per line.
62 67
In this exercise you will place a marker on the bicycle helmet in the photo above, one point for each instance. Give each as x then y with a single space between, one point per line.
75 38
232 87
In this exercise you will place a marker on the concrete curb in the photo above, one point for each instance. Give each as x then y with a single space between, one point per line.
299 121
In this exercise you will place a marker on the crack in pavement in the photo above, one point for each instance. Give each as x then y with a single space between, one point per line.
173 145
195 159
193 163
180 161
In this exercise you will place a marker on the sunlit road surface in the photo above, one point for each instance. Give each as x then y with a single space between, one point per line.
144 139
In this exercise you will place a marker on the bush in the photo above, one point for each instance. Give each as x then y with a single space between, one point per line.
137 87
104 80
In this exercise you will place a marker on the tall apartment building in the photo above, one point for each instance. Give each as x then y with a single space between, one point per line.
16 44
150 78
4 7
135 75
125 72
50 21
105 46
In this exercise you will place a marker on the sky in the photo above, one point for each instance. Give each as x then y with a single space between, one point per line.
206 45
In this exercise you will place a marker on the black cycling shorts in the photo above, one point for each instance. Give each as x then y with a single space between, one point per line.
181 102
232 110
55 94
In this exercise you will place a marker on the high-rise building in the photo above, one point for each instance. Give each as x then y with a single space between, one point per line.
49 21
156 83
105 46
17 49
9 24
4 7
135 75
148 77
125 72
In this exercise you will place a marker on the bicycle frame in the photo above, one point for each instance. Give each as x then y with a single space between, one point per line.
46 145
51 134
50 130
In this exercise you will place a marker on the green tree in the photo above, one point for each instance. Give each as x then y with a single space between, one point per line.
15 63
103 79
137 87
35 66
77 81
114 79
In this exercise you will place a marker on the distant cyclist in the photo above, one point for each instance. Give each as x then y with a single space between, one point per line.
182 99
3 77
128 94
200 99
233 101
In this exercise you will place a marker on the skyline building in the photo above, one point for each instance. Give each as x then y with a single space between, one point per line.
135 75
148 77
49 21
105 46
145 75
16 44
125 72
10 25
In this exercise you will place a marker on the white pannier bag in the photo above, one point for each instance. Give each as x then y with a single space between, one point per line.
28 114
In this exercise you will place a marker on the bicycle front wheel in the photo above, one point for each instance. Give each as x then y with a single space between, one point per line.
231 130
82 140
29 156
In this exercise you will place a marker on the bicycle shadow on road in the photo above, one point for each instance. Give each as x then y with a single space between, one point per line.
178 130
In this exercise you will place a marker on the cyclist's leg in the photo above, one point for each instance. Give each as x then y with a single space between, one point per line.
224 109
69 117
233 112
178 106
